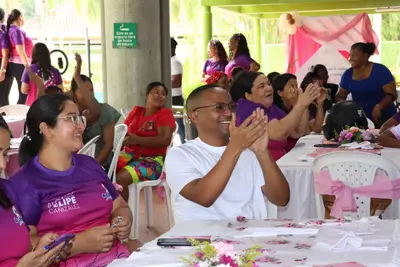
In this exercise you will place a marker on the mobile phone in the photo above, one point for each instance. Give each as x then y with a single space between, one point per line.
61 239
178 242
327 145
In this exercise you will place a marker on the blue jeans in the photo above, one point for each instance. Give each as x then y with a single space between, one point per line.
178 101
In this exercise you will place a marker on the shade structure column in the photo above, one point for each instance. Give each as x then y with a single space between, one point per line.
207 29
257 40
128 71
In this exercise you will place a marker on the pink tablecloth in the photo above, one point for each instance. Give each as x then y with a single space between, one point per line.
16 125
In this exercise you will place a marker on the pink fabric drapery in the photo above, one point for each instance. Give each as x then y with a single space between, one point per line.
306 41
381 188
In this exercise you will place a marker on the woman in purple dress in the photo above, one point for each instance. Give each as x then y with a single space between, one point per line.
251 91
217 59
240 55
6 78
20 49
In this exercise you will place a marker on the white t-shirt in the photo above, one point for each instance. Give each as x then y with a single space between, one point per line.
396 131
176 69
242 195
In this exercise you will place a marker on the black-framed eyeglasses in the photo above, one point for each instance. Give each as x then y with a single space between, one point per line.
220 107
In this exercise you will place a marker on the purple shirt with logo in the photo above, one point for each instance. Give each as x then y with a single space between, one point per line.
70 201
18 37
54 80
211 66
14 235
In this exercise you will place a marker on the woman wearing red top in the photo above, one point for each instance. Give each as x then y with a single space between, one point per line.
150 130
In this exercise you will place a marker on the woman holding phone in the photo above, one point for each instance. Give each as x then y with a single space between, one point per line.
13 230
21 49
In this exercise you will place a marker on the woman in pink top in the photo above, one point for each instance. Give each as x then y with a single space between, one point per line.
21 49
14 234
41 66
240 55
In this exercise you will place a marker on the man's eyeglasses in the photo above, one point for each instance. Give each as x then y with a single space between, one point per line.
220 107
75 119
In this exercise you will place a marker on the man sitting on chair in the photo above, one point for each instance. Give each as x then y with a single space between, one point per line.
225 172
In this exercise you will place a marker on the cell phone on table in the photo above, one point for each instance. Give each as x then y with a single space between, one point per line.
327 145
178 242
65 238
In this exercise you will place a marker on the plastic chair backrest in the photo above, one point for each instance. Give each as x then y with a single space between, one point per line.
355 169
89 148
14 110
119 134
371 124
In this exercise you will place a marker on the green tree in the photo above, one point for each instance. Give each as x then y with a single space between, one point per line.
391 27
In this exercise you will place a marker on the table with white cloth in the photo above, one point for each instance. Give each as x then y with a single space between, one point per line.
280 242
298 170
16 125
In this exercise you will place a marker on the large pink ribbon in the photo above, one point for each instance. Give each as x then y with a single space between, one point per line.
345 201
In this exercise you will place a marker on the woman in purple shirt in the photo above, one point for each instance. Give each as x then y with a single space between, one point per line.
63 192
41 66
6 78
217 61
14 234
240 55
251 91
21 49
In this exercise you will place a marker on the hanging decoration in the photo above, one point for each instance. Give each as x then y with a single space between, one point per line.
289 22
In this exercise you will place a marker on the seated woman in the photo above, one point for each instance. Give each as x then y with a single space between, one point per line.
271 77
286 95
63 192
41 66
150 131
392 122
390 137
372 85
13 230
251 91
219 78
332 88
104 125
318 108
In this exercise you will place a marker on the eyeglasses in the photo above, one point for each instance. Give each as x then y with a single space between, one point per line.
220 107
75 119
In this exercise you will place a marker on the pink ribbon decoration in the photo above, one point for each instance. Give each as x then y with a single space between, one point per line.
345 201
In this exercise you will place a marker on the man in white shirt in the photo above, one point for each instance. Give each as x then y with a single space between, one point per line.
225 172
176 81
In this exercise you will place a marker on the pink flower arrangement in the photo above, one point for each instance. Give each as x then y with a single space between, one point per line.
353 134
220 255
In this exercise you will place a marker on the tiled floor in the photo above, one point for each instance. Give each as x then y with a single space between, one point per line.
160 222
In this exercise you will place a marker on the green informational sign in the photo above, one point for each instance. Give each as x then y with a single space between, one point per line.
125 35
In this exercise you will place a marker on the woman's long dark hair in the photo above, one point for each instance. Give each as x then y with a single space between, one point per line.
15 14
243 48
223 57
41 56
45 109
5 201
243 84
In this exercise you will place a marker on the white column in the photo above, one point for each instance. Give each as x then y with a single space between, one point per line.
377 27
127 71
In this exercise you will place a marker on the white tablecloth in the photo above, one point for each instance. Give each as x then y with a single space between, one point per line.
282 243
299 174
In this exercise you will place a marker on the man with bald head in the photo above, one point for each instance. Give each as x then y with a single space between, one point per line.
226 171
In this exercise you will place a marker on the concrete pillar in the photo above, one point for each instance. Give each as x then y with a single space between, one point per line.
127 71
257 40
207 29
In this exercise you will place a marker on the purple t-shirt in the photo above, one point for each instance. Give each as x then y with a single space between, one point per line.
211 66
397 117
70 201
4 42
245 108
54 80
14 234
18 37
242 61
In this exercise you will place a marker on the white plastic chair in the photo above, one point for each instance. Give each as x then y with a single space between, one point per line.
89 148
14 110
134 198
371 124
272 210
119 134
124 113
356 169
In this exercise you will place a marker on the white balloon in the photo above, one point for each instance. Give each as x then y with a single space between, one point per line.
292 29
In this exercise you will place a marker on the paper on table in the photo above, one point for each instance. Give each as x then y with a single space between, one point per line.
344 264
275 231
